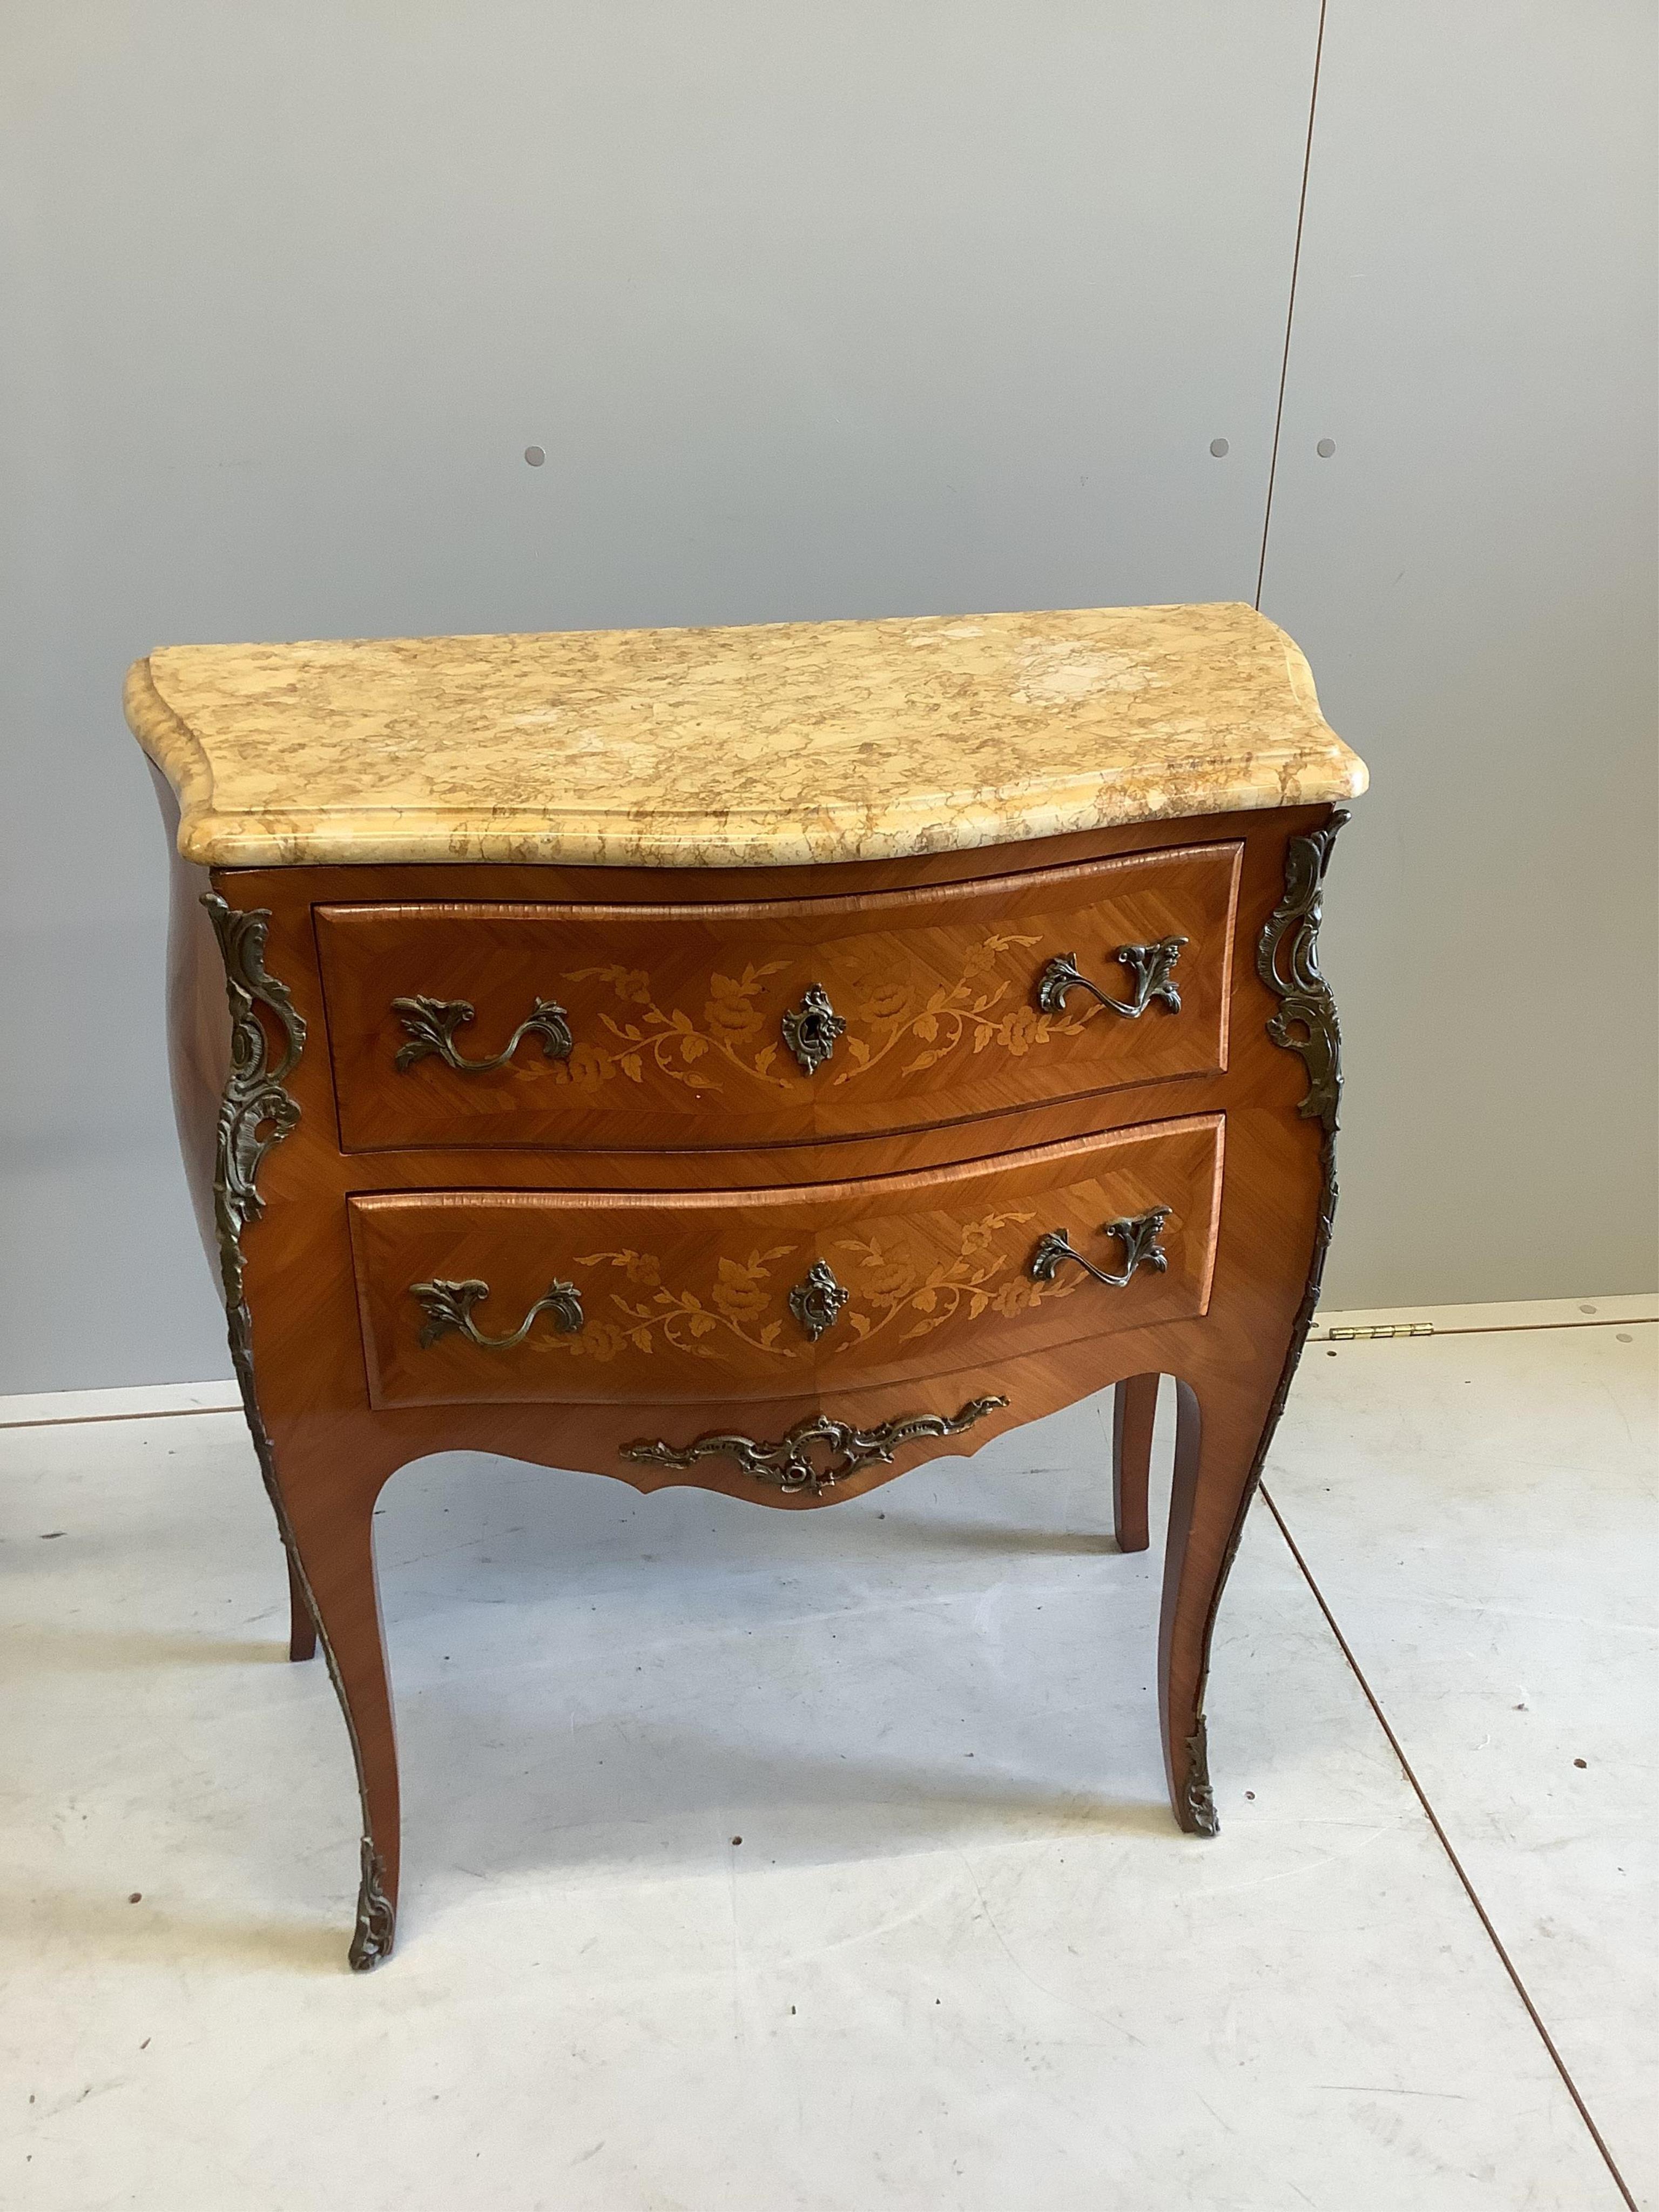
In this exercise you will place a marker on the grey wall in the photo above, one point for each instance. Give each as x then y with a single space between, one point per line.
856 310
1471 574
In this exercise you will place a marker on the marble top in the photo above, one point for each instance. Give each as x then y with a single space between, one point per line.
685 748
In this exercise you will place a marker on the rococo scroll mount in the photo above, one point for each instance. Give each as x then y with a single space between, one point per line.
788 1462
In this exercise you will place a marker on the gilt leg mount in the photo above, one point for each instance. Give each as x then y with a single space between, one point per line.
1198 1812
377 1917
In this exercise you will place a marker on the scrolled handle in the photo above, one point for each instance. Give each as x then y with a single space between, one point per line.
448 1307
1139 1237
432 1024
1149 966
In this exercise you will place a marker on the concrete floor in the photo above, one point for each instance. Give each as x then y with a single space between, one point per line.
960 1958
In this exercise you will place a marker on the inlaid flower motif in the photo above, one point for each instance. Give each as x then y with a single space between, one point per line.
966 1014
668 1041
731 1013
641 1267
587 1066
884 1276
740 1293
980 959
885 1002
676 1316
1013 1297
602 1340
1021 1031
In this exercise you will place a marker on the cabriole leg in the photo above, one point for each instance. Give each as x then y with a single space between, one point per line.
1133 1410
1218 1437
331 1520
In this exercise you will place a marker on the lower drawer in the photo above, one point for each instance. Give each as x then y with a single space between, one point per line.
469 1297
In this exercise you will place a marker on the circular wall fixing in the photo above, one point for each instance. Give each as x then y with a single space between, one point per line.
1325 448
534 455
1218 448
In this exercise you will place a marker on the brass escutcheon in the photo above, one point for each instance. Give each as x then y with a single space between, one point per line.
811 1028
816 1301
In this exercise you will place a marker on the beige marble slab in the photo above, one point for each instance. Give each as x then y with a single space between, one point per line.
789 743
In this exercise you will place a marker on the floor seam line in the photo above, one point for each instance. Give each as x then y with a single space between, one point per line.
100 1420
1473 1328
1445 1842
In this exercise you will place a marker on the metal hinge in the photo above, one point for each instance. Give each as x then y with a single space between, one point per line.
1386 1328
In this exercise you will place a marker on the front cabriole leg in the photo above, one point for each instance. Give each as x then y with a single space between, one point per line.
330 1482
330 1554
1225 1421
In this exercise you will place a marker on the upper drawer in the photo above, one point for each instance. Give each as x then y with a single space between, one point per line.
613 1296
648 1026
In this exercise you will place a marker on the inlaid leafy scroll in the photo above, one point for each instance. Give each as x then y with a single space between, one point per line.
896 1278
734 1030
690 1049
979 1012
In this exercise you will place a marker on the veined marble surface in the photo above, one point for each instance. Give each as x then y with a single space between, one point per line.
770 746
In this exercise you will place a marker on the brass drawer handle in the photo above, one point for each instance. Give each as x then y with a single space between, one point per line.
1138 1237
449 1306
1150 965
811 1028
432 1024
788 1463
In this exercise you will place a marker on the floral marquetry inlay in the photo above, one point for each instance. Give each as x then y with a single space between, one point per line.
897 1280
734 1301
727 1028
734 1030
979 1012
891 1288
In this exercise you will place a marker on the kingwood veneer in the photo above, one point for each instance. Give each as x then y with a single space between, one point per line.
758 1059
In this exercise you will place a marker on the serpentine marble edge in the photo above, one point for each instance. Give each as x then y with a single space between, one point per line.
792 742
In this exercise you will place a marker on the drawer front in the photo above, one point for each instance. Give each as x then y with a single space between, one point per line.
612 1027
469 1297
